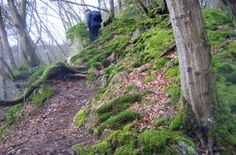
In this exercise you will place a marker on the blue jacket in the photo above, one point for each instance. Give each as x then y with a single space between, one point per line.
94 19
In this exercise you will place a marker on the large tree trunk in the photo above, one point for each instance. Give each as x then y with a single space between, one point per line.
4 40
194 56
26 43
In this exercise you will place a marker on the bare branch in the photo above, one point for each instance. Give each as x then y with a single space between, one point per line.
86 5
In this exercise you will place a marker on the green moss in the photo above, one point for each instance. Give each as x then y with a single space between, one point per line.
174 92
37 74
79 119
160 121
172 72
161 62
22 72
78 31
121 138
11 114
184 117
50 70
159 40
128 150
102 148
44 93
119 104
104 117
90 75
131 88
215 18
10 118
149 79
156 141
231 77
82 150
98 131
121 119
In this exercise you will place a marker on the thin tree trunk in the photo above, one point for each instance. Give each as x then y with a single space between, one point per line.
194 56
4 40
26 43
112 9
3 79
120 5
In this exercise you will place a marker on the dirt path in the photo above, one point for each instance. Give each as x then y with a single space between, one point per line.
49 130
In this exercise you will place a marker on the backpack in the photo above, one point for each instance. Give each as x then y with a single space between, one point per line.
96 19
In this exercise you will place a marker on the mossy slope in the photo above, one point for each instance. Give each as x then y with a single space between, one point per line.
128 43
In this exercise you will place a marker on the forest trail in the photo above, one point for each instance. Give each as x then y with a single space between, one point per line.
49 129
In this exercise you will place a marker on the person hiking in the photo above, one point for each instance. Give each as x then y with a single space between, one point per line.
93 20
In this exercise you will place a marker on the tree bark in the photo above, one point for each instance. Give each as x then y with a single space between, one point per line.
194 57
4 40
26 43
112 9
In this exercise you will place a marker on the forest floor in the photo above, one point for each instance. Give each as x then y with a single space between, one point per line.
49 129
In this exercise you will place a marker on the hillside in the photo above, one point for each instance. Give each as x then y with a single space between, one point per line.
137 108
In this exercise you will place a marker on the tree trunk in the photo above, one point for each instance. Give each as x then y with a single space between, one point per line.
3 79
4 40
194 56
120 5
112 9
26 43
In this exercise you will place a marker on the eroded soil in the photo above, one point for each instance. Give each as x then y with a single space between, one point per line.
49 129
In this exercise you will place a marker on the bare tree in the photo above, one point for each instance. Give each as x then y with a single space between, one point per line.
19 20
195 59
3 79
4 40
120 5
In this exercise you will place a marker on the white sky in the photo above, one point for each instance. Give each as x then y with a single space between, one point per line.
55 24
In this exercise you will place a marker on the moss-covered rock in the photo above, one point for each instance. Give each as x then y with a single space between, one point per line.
78 31
149 79
215 18
118 121
119 104
80 117
43 94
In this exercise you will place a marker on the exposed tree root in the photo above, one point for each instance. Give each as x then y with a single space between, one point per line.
167 51
52 72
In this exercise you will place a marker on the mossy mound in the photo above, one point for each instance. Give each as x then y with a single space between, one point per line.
129 142
114 115
80 118
78 31
119 104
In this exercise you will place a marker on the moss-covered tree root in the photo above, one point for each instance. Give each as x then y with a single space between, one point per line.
54 71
